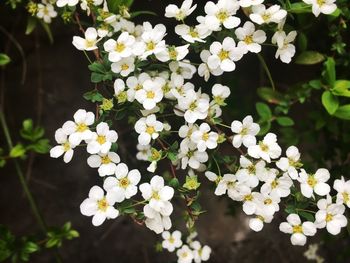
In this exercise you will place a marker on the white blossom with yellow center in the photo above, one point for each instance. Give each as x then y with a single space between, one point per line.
250 39
204 138
148 128
99 206
171 240
65 148
343 189
102 139
151 93
105 162
310 183
120 48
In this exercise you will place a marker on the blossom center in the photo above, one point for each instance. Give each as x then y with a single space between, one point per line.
321 2
66 146
150 94
345 197
120 47
329 217
311 181
101 139
125 67
222 16
297 229
102 204
171 240
81 127
266 16
251 169
263 147
89 43
173 54
248 39
150 46
205 136
193 106
274 184
150 130
105 159
268 201
193 33
223 54
248 197
124 182
155 195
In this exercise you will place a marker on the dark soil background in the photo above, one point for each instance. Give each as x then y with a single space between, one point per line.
56 79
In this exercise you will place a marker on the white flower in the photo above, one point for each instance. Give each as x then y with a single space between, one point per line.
180 13
262 216
158 195
200 253
190 156
274 185
148 128
61 3
134 84
191 34
156 221
268 202
204 138
221 13
247 3
310 183
98 206
182 68
144 152
250 39
330 216
204 70
250 200
85 4
326 7
220 93
184 254
65 146
46 12
262 15
173 53
101 140
171 240
124 66
122 48
87 43
266 149
151 93
223 55
290 164
105 162
343 189
151 41
123 185
195 105
285 50
79 129
228 184
246 132
250 172
298 230
178 88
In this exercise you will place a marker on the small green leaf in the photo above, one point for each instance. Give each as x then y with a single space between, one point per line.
299 8
263 111
93 96
17 151
31 24
271 96
343 112
47 30
309 58
285 121
341 88
264 127
308 216
174 183
329 73
4 59
302 41
330 102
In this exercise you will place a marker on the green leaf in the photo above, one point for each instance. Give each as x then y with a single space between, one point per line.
114 5
174 183
271 96
17 151
285 121
27 125
299 8
343 112
308 216
264 127
309 58
341 88
329 73
330 102
93 96
31 24
263 111
42 146
97 67
302 41
4 59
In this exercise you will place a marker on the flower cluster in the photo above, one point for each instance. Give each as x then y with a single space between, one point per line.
152 80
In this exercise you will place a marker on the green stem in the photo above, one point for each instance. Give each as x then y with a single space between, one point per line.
305 210
268 73
22 180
